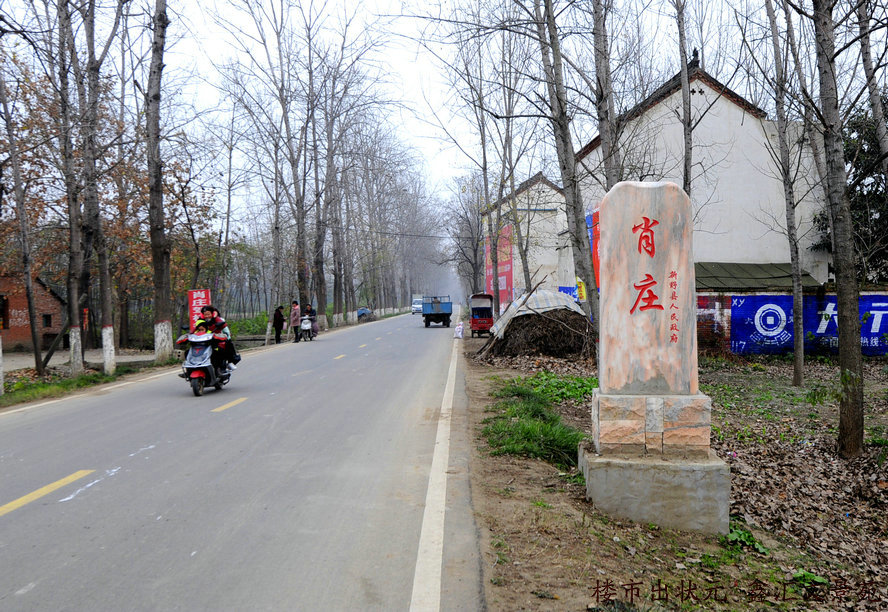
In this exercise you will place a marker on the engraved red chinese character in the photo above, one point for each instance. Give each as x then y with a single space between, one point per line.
646 295
646 238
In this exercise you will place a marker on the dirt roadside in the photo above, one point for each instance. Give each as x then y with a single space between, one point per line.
545 547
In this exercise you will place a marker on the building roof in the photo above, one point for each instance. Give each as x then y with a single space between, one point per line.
695 73
539 177
721 277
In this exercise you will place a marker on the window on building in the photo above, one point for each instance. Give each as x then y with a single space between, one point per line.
47 320
4 312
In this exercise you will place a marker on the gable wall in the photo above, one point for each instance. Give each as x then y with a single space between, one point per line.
18 334
737 198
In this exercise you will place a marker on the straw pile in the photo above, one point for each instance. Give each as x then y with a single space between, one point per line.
557 333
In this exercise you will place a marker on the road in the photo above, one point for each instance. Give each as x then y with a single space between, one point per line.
328 475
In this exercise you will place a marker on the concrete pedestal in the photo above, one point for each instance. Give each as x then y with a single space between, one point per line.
693 495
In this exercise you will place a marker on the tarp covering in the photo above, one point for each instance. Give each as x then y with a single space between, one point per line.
540 301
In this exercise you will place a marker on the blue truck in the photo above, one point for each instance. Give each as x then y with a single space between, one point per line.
437 309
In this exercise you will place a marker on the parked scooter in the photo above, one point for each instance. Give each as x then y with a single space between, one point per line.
198 367
305 332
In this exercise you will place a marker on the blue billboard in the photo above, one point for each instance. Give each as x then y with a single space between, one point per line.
764 324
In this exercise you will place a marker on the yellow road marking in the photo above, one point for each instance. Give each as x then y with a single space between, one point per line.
229 405
340 357
362 346
58 484
379 338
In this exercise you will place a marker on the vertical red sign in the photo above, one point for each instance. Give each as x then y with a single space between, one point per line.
596 239
504 266
197 299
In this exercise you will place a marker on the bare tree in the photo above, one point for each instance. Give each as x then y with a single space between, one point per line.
93 235
553 67
604 96
864 17
22 214
850 437
787 176
160 246
466 231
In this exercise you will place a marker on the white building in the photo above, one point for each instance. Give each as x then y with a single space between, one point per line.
736 190
539 205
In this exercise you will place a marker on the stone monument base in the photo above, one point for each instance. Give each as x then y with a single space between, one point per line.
668 425
694 495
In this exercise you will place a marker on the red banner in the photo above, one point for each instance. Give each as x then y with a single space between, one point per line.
504 266
197 299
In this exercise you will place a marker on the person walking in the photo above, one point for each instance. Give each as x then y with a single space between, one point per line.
278 323
294 320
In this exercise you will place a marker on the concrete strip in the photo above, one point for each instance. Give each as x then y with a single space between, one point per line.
426 595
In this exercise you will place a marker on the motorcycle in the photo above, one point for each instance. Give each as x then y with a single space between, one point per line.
305 332
198 367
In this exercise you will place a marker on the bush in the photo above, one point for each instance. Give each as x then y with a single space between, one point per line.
527 426
249 327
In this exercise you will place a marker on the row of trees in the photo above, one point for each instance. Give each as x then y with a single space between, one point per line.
575 68
287 179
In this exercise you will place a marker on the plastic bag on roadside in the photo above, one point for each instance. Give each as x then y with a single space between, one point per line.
458 331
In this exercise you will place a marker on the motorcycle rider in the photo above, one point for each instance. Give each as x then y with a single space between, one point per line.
217 325
312 314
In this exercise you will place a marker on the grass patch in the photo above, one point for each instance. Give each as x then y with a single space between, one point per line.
254 326
23 391
525 424
550 387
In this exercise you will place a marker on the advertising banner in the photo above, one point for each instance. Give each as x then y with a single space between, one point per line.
504 267
763 324
594 230
197 299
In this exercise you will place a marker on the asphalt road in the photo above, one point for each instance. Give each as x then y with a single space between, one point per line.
329 475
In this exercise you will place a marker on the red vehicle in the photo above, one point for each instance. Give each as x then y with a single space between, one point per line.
481 308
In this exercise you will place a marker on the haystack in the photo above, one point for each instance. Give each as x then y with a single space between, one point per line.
546 323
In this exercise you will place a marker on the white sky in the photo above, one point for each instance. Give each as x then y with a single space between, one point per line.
412 71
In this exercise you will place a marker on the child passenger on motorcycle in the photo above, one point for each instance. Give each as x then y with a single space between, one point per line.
201 327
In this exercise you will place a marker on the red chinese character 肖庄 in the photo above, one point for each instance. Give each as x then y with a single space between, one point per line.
646 295
646 238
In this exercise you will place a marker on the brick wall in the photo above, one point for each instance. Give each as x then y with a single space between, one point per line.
16 329
714 322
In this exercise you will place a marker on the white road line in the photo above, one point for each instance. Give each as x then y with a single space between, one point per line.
427 575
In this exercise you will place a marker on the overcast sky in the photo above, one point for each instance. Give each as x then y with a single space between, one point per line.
413 73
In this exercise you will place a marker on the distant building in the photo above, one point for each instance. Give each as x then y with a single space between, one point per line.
15 329
539 205
736 192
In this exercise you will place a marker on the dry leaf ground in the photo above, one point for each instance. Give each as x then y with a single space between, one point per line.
821 519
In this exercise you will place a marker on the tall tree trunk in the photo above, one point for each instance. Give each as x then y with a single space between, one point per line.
872 83
786 175
160 246
850 438
604 97
686 119
75 247
93 235
22 214
811 134
550 49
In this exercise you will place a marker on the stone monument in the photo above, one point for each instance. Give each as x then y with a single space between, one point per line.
651 460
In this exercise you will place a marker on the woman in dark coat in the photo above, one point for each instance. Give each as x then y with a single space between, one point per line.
278 323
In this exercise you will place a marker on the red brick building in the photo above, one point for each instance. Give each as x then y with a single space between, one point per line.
15 328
